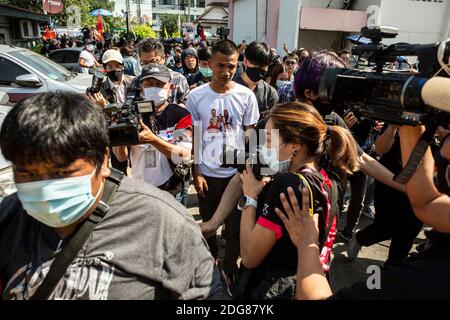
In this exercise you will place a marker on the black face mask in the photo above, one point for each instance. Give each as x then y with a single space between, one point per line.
115 75
255 74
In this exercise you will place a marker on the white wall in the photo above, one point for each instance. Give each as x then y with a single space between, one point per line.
288 24
417 21
244 21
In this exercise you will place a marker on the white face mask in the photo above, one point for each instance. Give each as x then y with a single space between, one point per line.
281 83
158 95
270 157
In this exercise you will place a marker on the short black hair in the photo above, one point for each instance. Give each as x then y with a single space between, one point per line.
258 53
54 127
225 46
149 45
204 54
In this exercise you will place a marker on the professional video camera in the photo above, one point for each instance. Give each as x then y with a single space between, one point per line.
388 96
97 81
412 98
123 119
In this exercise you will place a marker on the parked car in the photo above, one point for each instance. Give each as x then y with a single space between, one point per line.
24 73
67 57
7 186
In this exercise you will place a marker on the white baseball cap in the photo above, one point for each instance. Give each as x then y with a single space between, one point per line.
112 55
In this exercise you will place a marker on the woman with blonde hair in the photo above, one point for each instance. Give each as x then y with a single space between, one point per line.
296 138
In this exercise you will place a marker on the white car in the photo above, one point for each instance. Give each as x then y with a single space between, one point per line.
7 186
24 73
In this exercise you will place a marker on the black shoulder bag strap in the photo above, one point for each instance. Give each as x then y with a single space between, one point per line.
73 246
334 208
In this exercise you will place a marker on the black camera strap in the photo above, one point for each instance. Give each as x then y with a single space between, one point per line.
417 155
73 246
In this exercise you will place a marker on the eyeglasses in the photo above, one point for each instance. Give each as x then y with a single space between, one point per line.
290 62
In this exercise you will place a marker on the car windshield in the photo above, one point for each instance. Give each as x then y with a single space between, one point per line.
45 66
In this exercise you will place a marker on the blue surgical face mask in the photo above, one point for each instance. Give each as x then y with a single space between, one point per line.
270 157
206 72
57 203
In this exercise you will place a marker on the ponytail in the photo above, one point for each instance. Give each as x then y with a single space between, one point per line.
342 150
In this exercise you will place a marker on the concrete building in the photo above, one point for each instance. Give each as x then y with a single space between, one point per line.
325 24
178 8
214 17
20 26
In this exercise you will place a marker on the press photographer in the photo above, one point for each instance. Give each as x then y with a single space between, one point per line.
165 138
403 100
113 89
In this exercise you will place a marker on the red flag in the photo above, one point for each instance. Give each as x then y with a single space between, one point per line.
47 34
99 24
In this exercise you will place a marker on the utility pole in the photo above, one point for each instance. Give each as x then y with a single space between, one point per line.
139 11
189 11
127 3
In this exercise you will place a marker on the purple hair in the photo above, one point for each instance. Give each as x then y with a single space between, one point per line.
311 69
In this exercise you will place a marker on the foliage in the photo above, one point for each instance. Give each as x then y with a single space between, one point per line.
170 23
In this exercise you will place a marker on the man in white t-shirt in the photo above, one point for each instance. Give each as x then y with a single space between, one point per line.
221 111
87 59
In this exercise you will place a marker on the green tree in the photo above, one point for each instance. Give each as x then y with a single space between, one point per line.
170 23
143 31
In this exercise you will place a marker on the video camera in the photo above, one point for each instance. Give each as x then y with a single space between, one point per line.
401 98
123 119
394 97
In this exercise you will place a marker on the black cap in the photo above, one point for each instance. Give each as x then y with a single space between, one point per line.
156 71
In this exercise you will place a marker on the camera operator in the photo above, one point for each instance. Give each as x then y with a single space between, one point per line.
131 251
293 156
152 51
167 142
394 218
426 276
114 90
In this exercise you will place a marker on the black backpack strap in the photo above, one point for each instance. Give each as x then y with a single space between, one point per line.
75 243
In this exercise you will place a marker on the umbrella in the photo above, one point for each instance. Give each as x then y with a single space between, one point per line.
102 12
359 39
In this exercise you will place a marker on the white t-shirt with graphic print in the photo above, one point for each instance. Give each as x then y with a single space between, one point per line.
220 118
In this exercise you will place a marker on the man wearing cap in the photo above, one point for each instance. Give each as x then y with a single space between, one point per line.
166 135
114 90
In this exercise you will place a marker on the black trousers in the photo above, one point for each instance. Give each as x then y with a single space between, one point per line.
395 220
207 207
358 182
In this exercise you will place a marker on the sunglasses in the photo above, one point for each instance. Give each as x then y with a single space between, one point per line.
290 62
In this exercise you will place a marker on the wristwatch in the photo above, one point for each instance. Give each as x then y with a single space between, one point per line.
246 201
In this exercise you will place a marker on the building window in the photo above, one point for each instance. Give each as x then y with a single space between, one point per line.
201 3
26 29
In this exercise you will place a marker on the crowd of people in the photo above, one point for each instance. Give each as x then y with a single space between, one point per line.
206 96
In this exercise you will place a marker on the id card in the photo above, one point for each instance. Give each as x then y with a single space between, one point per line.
150 158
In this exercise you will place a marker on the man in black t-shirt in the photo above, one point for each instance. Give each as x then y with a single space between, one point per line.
257 58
